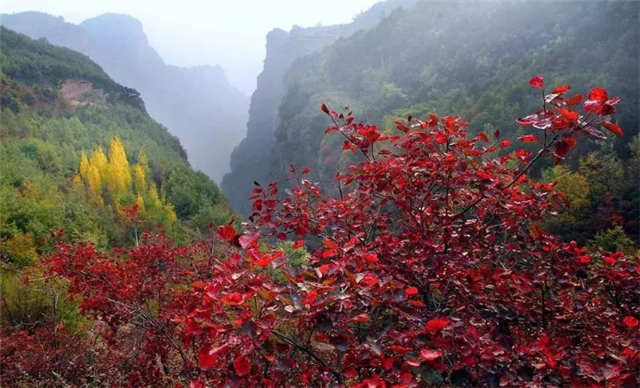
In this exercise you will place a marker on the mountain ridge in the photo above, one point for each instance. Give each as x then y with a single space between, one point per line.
61 112
250 160
209 117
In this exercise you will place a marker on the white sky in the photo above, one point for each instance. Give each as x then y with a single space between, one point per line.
225 32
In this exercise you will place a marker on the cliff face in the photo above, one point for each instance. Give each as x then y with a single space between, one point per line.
196 104
455 58
252 159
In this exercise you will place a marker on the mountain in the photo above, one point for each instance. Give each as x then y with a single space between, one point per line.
468 58
251 159
197 104
78 149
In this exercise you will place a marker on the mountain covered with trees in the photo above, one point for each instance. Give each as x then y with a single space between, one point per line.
251 159
78 148
197 104
455 204
464 57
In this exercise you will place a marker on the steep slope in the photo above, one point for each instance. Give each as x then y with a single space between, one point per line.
77 149
468 58
197 104
250 160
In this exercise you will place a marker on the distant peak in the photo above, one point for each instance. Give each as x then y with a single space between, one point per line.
35 17
209 72
120 30
276 33
114 21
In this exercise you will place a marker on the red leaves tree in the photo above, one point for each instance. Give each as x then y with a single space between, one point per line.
429 267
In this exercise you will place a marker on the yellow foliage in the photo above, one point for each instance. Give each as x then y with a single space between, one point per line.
84 165
119 176
21 248
90 173
22 303
139 179
574 185
77 181
99 161
153 198
171 214
94 185
142 160
140 203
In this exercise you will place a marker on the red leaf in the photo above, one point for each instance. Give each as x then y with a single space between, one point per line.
362 318
430 355
324 108
594 132
306 171
561 89
208 356
592 106
370 258
522 153
401 126
630 321
529 120
264 261
529 138
574 100
196 384
472 152
411 291
436 325
248 240
598 94
192 328
537 82
330 244
298 244
553 98
232 299
613 128
226 232
241 365
505 143
399 349
387 363
563 147
569 115
607 110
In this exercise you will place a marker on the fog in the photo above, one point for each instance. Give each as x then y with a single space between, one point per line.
188 33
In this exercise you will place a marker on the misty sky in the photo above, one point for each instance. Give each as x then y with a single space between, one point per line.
225 32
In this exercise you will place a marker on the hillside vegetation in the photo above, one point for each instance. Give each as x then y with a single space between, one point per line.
47 132
197 104
469 58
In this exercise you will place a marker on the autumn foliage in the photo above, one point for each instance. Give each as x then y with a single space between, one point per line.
429 267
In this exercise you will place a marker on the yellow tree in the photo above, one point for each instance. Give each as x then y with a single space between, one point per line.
91 176
139 179
140 171
84 165
94 185
576 189
119 174
99 161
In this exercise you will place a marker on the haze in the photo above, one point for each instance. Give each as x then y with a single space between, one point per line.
188 33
